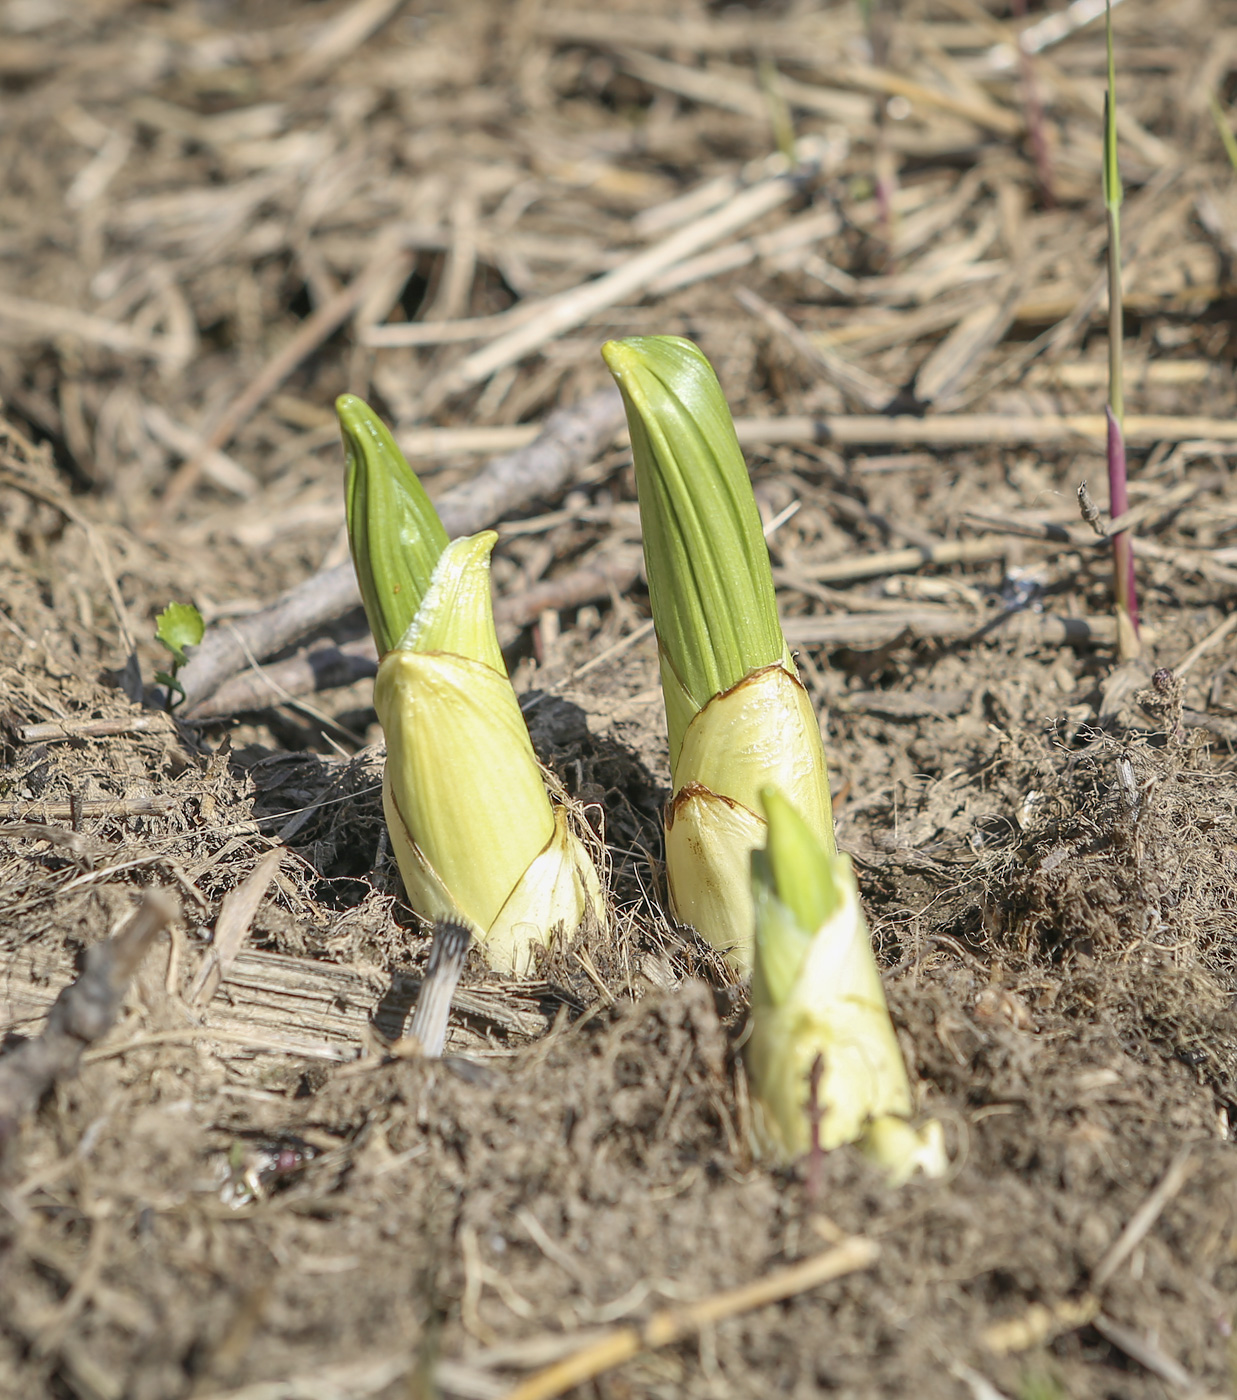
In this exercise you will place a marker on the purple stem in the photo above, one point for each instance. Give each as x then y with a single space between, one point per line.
1118 504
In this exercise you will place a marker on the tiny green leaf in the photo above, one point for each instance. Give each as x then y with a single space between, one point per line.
179 626
457 613
393 528
1222 126
795 865
1112 174
710 581
173 685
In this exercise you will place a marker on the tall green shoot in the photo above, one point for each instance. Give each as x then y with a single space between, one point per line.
1118 492
1222 126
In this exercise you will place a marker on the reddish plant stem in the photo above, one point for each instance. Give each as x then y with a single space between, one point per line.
1118 503
815 1116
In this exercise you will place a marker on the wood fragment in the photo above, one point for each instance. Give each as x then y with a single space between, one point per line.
82 1014
294 1005
236 916
673 1324
1180 1169
567 442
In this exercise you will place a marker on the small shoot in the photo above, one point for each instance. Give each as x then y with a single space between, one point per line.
823 1062
1128 645
1222 126
779 109
737 713
178 626
478 842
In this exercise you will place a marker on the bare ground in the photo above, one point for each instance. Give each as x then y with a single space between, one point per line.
252 1196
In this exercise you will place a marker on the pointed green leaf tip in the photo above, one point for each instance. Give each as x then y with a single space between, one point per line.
704 550
393 529
1112 173
794 866
179 626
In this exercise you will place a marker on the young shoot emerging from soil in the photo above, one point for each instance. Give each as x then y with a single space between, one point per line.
738 715
472 826
822 1057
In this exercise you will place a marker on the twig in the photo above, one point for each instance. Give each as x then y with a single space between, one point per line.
326 668
53 731
1039 1323
869 430
93 807
82 1014
868 631
81 845
1150 1355
1213 638
572 308
1180 1169
672 1324
569 440
857 384
900 561
330 667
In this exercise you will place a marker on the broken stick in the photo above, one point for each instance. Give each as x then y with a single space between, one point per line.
572 438
330 667
81 1014
672 1324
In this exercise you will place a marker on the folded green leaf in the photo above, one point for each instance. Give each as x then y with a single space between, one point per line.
178 626
818 1012
393 528
737 714
708 570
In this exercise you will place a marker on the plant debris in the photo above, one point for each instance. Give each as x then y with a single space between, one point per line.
888 237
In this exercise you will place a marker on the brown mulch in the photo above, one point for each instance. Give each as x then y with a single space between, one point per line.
217 218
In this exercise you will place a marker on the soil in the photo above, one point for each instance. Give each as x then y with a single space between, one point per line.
265 1198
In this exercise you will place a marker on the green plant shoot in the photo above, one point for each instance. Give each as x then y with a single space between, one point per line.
178 626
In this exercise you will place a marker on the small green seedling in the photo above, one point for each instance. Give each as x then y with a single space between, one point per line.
1222 126
178 626
1124 589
